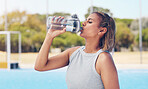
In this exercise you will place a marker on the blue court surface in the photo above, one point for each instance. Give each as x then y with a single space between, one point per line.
55 79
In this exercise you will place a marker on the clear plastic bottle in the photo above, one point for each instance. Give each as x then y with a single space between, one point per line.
72 24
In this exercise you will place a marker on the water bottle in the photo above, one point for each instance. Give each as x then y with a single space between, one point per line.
71 24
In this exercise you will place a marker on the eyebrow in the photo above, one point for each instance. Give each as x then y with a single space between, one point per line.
89 19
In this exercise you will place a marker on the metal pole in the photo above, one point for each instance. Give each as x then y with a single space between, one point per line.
91 8
47 11
6 15
8 50
140 31
20 48
6 36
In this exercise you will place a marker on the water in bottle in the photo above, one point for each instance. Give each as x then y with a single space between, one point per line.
71 24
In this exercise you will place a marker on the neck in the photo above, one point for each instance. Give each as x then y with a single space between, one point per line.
91 46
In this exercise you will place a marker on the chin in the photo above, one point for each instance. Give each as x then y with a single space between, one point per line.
81 34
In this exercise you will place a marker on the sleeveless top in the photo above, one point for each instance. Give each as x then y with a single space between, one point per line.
81 71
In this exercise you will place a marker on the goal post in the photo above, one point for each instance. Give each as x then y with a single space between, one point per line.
8 42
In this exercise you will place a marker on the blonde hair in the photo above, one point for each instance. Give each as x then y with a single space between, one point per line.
107 42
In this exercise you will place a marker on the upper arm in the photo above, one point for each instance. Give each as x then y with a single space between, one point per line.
108 71
59 60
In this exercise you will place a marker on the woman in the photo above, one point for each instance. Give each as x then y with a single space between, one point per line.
90 66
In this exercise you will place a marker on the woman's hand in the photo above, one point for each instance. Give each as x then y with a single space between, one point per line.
52 32
44 63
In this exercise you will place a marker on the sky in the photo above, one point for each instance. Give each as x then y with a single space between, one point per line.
120 8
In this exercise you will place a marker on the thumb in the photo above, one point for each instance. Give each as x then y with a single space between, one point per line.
64 30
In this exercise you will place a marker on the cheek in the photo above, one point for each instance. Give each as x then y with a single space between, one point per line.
93 26
93 29
89 32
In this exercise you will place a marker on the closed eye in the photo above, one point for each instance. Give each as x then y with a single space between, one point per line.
89 22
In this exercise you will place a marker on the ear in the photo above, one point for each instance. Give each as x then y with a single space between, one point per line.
102 30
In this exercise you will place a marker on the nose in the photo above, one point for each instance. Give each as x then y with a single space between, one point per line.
84 23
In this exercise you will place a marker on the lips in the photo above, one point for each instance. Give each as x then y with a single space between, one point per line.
81 29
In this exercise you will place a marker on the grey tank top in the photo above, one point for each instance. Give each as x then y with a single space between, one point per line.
81 71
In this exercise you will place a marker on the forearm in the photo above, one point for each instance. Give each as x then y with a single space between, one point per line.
42 57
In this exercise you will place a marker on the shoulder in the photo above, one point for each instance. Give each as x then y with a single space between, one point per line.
105 57
105 62
71 50
108 71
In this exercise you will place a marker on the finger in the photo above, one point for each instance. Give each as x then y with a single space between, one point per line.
57 19
52 21
61 19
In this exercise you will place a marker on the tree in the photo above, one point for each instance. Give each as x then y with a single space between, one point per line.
135 24
144 38
1 23
59 42
61 14
126 21
124 37
16 16
37 40
42 18
74 40
67 40
33 30
34 23
2 42
96 9
145 23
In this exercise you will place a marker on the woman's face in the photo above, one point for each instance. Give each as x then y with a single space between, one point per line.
91 26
